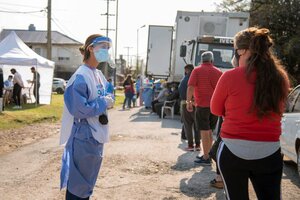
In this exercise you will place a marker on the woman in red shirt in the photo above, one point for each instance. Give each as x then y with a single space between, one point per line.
128 91
251 99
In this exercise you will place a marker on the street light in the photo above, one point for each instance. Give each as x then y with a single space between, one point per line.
128 48
137 47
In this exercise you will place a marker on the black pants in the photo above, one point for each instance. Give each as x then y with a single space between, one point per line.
188 119
36 93
153 105
70 196
214 149
17 94
265 175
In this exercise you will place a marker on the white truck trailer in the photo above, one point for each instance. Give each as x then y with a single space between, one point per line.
159 51
194 33
202 31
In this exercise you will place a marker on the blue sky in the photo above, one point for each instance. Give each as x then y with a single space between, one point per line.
78 19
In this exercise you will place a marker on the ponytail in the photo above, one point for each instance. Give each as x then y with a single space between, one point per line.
271 79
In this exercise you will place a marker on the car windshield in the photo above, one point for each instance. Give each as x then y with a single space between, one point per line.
222 54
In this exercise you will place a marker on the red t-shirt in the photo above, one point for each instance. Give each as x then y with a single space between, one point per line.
233 99
204 80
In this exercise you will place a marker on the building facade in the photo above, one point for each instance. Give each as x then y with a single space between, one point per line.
65 50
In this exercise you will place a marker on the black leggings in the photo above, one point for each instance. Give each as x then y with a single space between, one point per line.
70 196
265 175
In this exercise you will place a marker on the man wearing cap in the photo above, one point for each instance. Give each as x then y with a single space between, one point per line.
201 86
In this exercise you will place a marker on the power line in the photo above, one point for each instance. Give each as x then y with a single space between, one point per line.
28 6
21 12
20 5
61 27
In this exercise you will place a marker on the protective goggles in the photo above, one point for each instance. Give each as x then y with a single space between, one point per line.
103 41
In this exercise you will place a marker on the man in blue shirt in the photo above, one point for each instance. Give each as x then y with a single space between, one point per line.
110 87
188 117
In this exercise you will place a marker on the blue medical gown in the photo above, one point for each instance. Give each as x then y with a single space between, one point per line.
83 154
147 95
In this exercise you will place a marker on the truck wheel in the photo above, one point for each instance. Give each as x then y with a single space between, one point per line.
298 161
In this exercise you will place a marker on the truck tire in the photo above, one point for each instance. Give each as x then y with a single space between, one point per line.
298 160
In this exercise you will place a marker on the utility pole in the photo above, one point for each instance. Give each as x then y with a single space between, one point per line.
49 45
105 68
107 18
137 47
116 43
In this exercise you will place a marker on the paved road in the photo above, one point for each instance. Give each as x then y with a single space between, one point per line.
144 160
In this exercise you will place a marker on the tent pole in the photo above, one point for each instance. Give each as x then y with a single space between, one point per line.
36 86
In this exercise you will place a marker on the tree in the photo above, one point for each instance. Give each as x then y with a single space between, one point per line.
233 6
282 18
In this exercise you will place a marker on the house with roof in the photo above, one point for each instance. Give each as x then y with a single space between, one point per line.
65 50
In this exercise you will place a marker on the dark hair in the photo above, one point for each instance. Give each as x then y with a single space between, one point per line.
32 68
189 67
271 85
128 79
87 43
10 76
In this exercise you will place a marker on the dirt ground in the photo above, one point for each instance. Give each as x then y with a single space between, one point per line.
144 160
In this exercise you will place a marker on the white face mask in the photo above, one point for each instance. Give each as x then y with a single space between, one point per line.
101 55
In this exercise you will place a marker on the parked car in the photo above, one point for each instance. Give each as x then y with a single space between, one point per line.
59 85
290 124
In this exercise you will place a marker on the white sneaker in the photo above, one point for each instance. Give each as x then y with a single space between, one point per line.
15 107
20 107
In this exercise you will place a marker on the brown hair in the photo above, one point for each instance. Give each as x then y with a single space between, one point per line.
271 85
88 42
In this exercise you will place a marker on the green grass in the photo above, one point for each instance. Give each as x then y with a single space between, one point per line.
31 114
119 98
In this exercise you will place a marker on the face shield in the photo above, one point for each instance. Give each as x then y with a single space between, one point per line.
103 50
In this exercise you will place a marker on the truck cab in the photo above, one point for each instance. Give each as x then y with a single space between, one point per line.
222 48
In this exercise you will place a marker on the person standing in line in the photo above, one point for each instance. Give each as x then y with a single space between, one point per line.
18 85
138 86
110 87
148 92
84 126
251 98
188 118
36 84
128 91
201 86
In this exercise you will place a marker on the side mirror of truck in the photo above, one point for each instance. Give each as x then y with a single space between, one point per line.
182 50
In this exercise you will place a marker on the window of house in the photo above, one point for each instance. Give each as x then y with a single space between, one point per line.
37 50
63 58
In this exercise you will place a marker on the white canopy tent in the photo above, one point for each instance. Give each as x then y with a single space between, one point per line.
14 53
